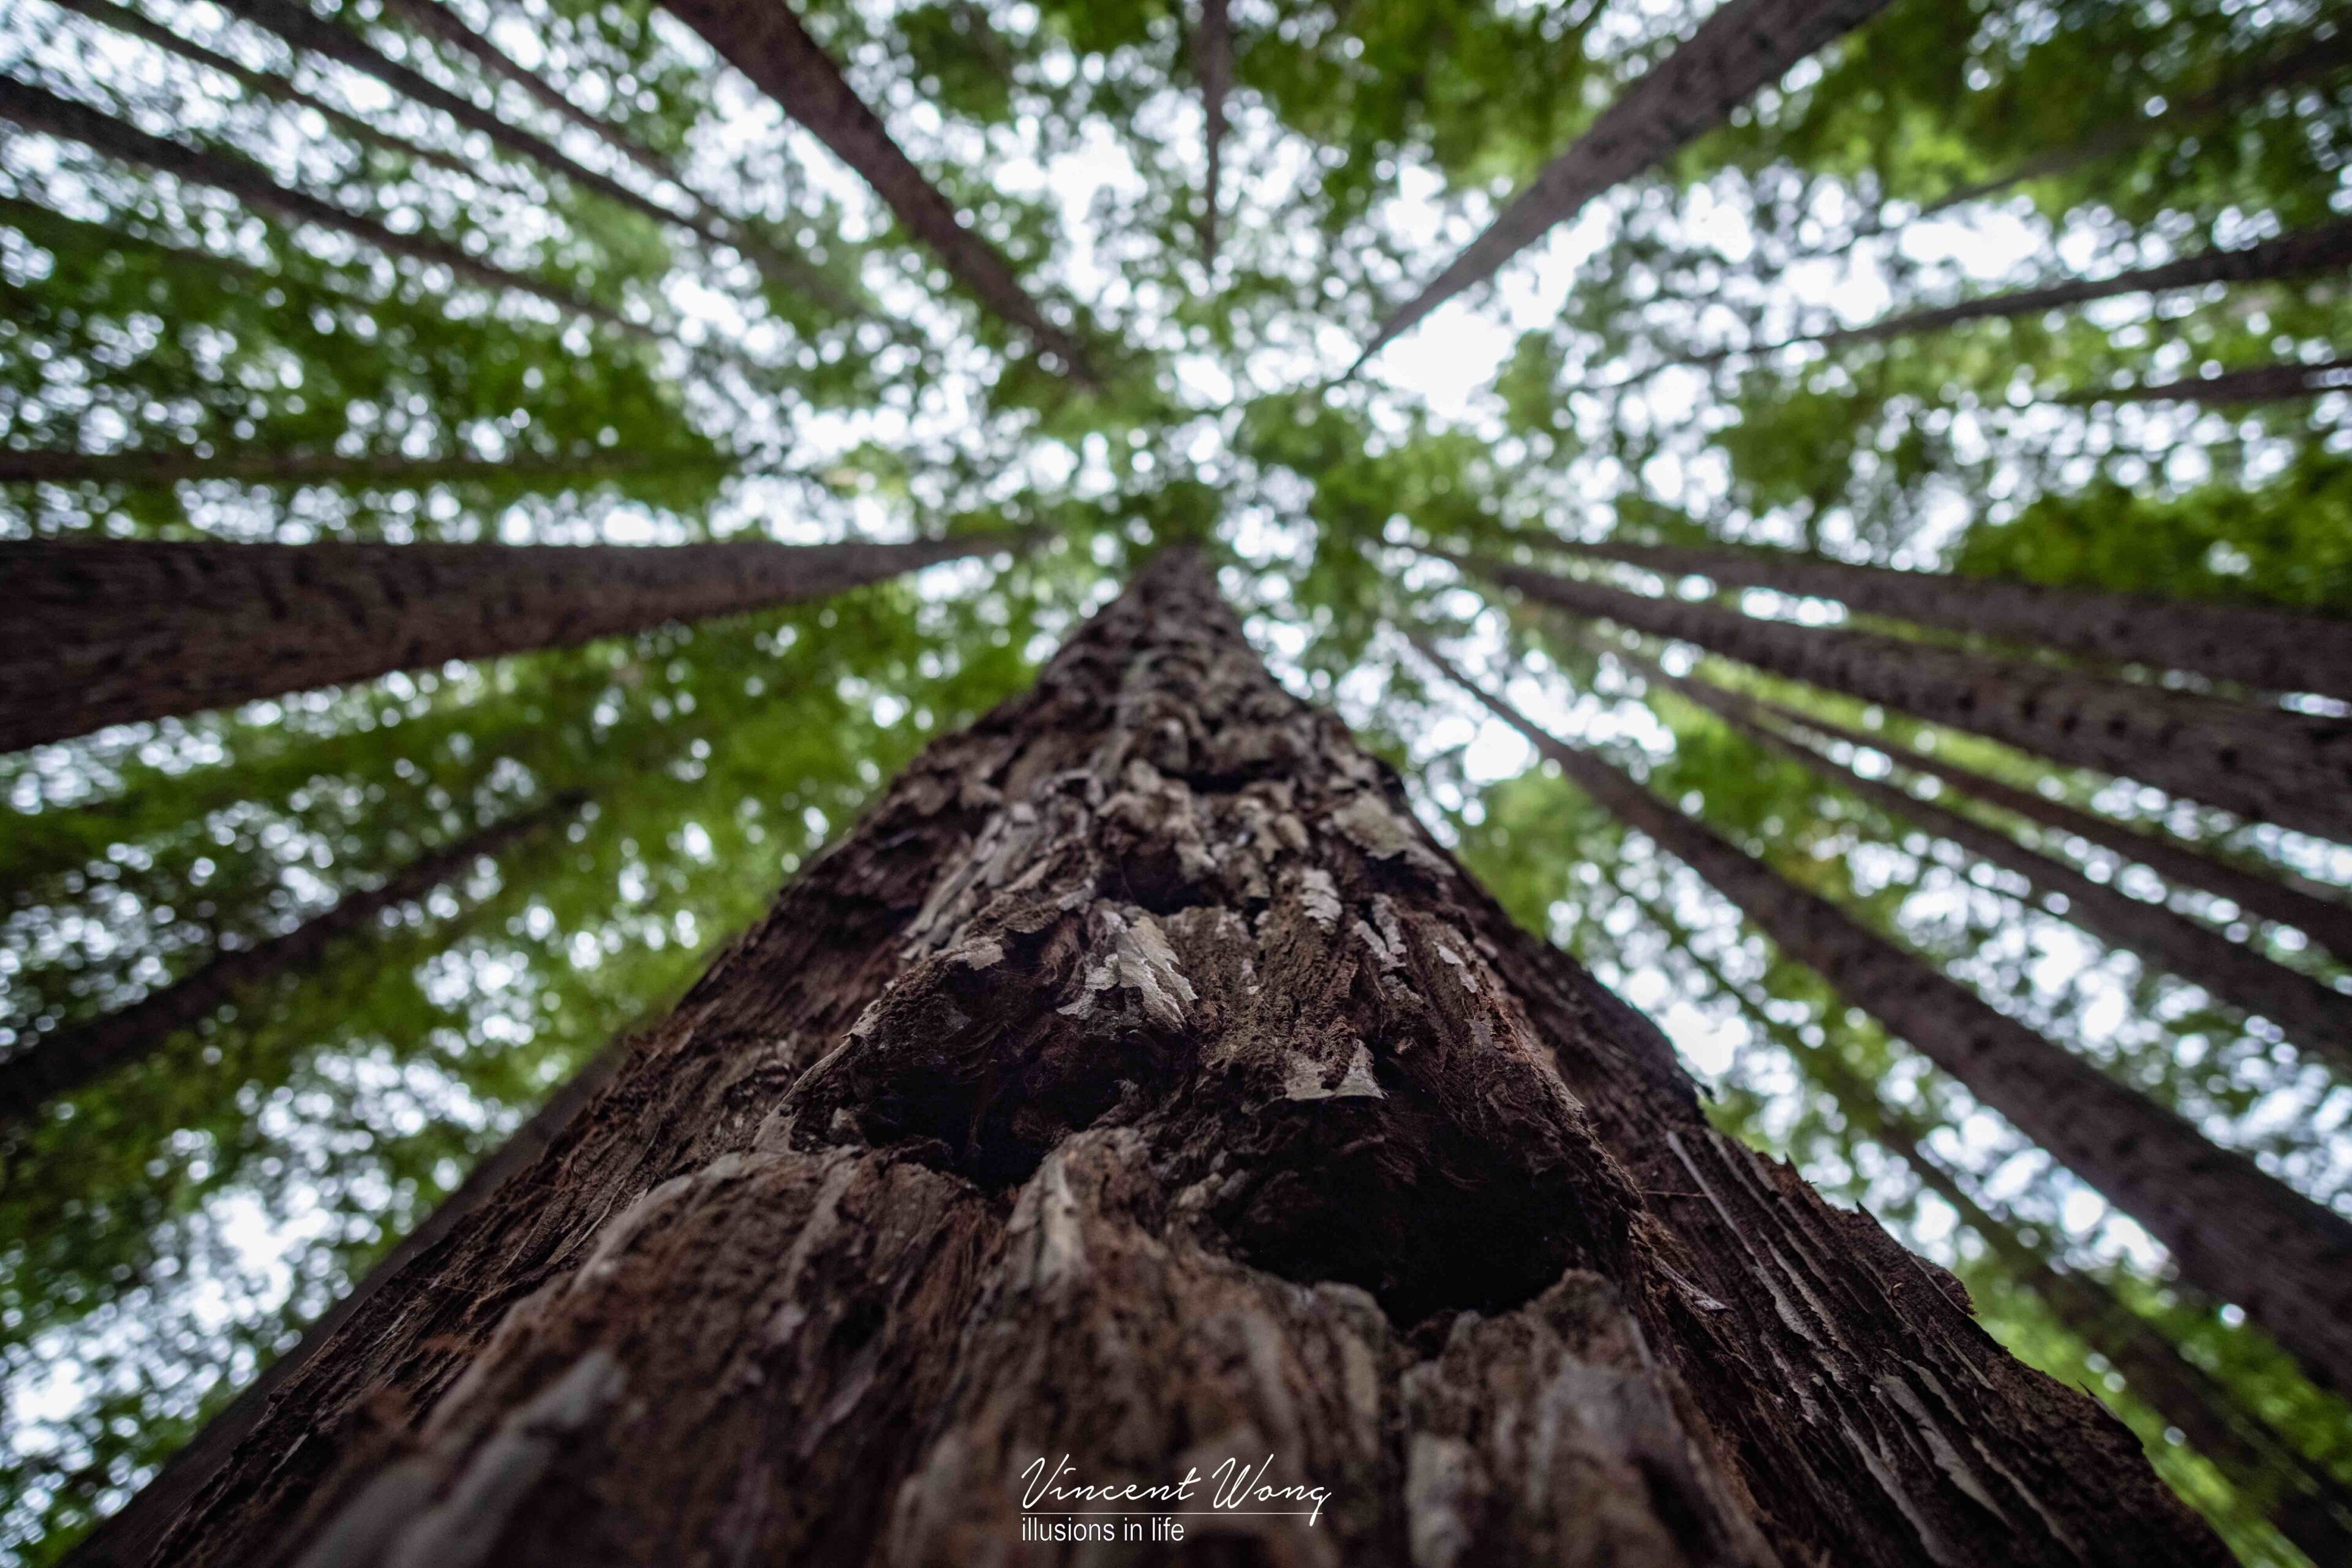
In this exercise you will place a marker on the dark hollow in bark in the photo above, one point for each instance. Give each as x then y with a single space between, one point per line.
2315 1016
115 631
2282 383
1140 1082
2272 649
1213 63
1744 46
2233 1231
77 1055
2266 765
767 44
38 108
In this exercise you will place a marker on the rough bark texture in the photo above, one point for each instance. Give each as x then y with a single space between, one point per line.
72 1057
36 109
267 467
2257 384
1744 46
1213 63
115 631
2233 1231
2268 649
2316 1017
2312 912
1140 1082
2266 765
767 44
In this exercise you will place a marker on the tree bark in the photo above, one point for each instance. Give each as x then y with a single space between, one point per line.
1140 1083
767 44
36 109
2306 1505
2266 765
2272 649
2233 1231
1744 46
116 631
2282 382
1213 64
148 466
2316 1017
76 1056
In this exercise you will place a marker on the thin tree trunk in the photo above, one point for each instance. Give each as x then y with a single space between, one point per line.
77 1055
129 1536
2266 765
2306 1505
1140 1083
38 108
767 44
2240 1234
782 270
141 467
116 631
124 20
2269 648
2282 382
2315 1016
2321 918
1213 64
1744 46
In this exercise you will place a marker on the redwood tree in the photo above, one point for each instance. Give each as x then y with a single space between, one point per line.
1140 1081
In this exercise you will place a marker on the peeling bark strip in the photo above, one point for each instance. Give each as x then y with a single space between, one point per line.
114 631
2269 648
76 1056
2233 1231
2256 384
767 44
36 109
2266 765
1140 1082
1746 46
2317 1018
1213 63
2316 915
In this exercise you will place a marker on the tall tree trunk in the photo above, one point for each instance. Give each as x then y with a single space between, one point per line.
780 269
148 467
115 631
2270 649
2266 765
2316 1017
2233 1231
767 44
74 1057
2306 1505
1744 46
1213 64
1140 1083
36 109
2282 382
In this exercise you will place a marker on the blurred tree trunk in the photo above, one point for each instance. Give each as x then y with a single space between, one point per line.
76 1056
2266 765
115 631
1140 1082
2284 382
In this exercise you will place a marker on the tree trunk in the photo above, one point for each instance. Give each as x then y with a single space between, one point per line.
79 1055
769 45
116 631
2269 648
2316 1017
2283 382
2233 1231
148 467
36 109
2308 1506
1213 64
1744 46
1140 1083
2266 765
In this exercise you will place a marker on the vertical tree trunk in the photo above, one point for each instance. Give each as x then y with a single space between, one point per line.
2266 765
2269 648
1213 64
1140 1082
2233 1231
115 631
2316 1017
74 1057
